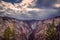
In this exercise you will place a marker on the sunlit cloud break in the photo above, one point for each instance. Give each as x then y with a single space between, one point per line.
19 6
25 9
26 3
57 5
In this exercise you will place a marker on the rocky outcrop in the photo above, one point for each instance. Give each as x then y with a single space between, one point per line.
27 29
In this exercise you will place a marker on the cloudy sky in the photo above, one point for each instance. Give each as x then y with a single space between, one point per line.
30 9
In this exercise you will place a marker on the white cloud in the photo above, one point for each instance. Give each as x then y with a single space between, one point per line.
57 5
22 11
18 7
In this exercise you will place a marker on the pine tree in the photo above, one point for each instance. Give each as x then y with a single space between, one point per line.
8 34
51 32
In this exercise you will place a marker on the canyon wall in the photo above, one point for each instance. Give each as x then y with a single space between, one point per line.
29 29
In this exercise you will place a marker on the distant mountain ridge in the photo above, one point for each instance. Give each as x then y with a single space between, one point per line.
6 17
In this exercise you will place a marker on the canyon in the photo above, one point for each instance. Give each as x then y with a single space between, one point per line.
29 29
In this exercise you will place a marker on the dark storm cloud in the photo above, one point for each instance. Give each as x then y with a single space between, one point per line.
58 13
58 1
45 3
